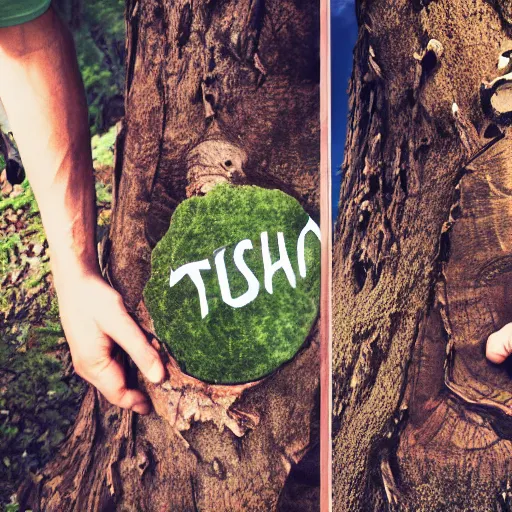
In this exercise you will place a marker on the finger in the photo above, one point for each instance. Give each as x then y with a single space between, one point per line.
110 381
126 333
499 344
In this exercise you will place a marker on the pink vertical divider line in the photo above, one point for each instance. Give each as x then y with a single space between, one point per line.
326 262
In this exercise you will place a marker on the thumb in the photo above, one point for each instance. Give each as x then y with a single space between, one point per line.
121 327
499 345
110 381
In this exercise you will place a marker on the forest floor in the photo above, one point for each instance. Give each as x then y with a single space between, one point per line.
39 392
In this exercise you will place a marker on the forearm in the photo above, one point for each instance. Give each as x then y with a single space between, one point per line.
42 91
43 95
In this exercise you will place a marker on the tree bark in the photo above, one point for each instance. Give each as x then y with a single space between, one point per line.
207 82
422 261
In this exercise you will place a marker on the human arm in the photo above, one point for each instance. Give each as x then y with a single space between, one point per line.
43 95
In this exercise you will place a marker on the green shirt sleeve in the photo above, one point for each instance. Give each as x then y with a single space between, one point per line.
15 12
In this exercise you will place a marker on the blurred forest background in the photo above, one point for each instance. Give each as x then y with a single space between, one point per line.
39 392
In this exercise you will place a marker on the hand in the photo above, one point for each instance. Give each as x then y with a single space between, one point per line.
94 317
499 344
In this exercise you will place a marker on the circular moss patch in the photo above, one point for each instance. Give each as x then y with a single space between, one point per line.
240 332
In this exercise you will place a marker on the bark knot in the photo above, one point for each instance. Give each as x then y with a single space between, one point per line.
214 161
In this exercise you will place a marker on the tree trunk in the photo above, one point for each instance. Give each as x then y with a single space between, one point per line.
206 80
422 261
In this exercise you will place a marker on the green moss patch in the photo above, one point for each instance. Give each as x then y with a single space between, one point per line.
235 344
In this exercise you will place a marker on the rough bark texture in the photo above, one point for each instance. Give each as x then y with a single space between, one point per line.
422 261
218 90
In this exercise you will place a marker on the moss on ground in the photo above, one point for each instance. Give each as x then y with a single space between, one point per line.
39 392
39 397
232 345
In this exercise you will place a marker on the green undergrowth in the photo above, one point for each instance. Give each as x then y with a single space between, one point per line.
17 242
233 344
38 401
99 32
24 200
39 393
103 193
103 148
